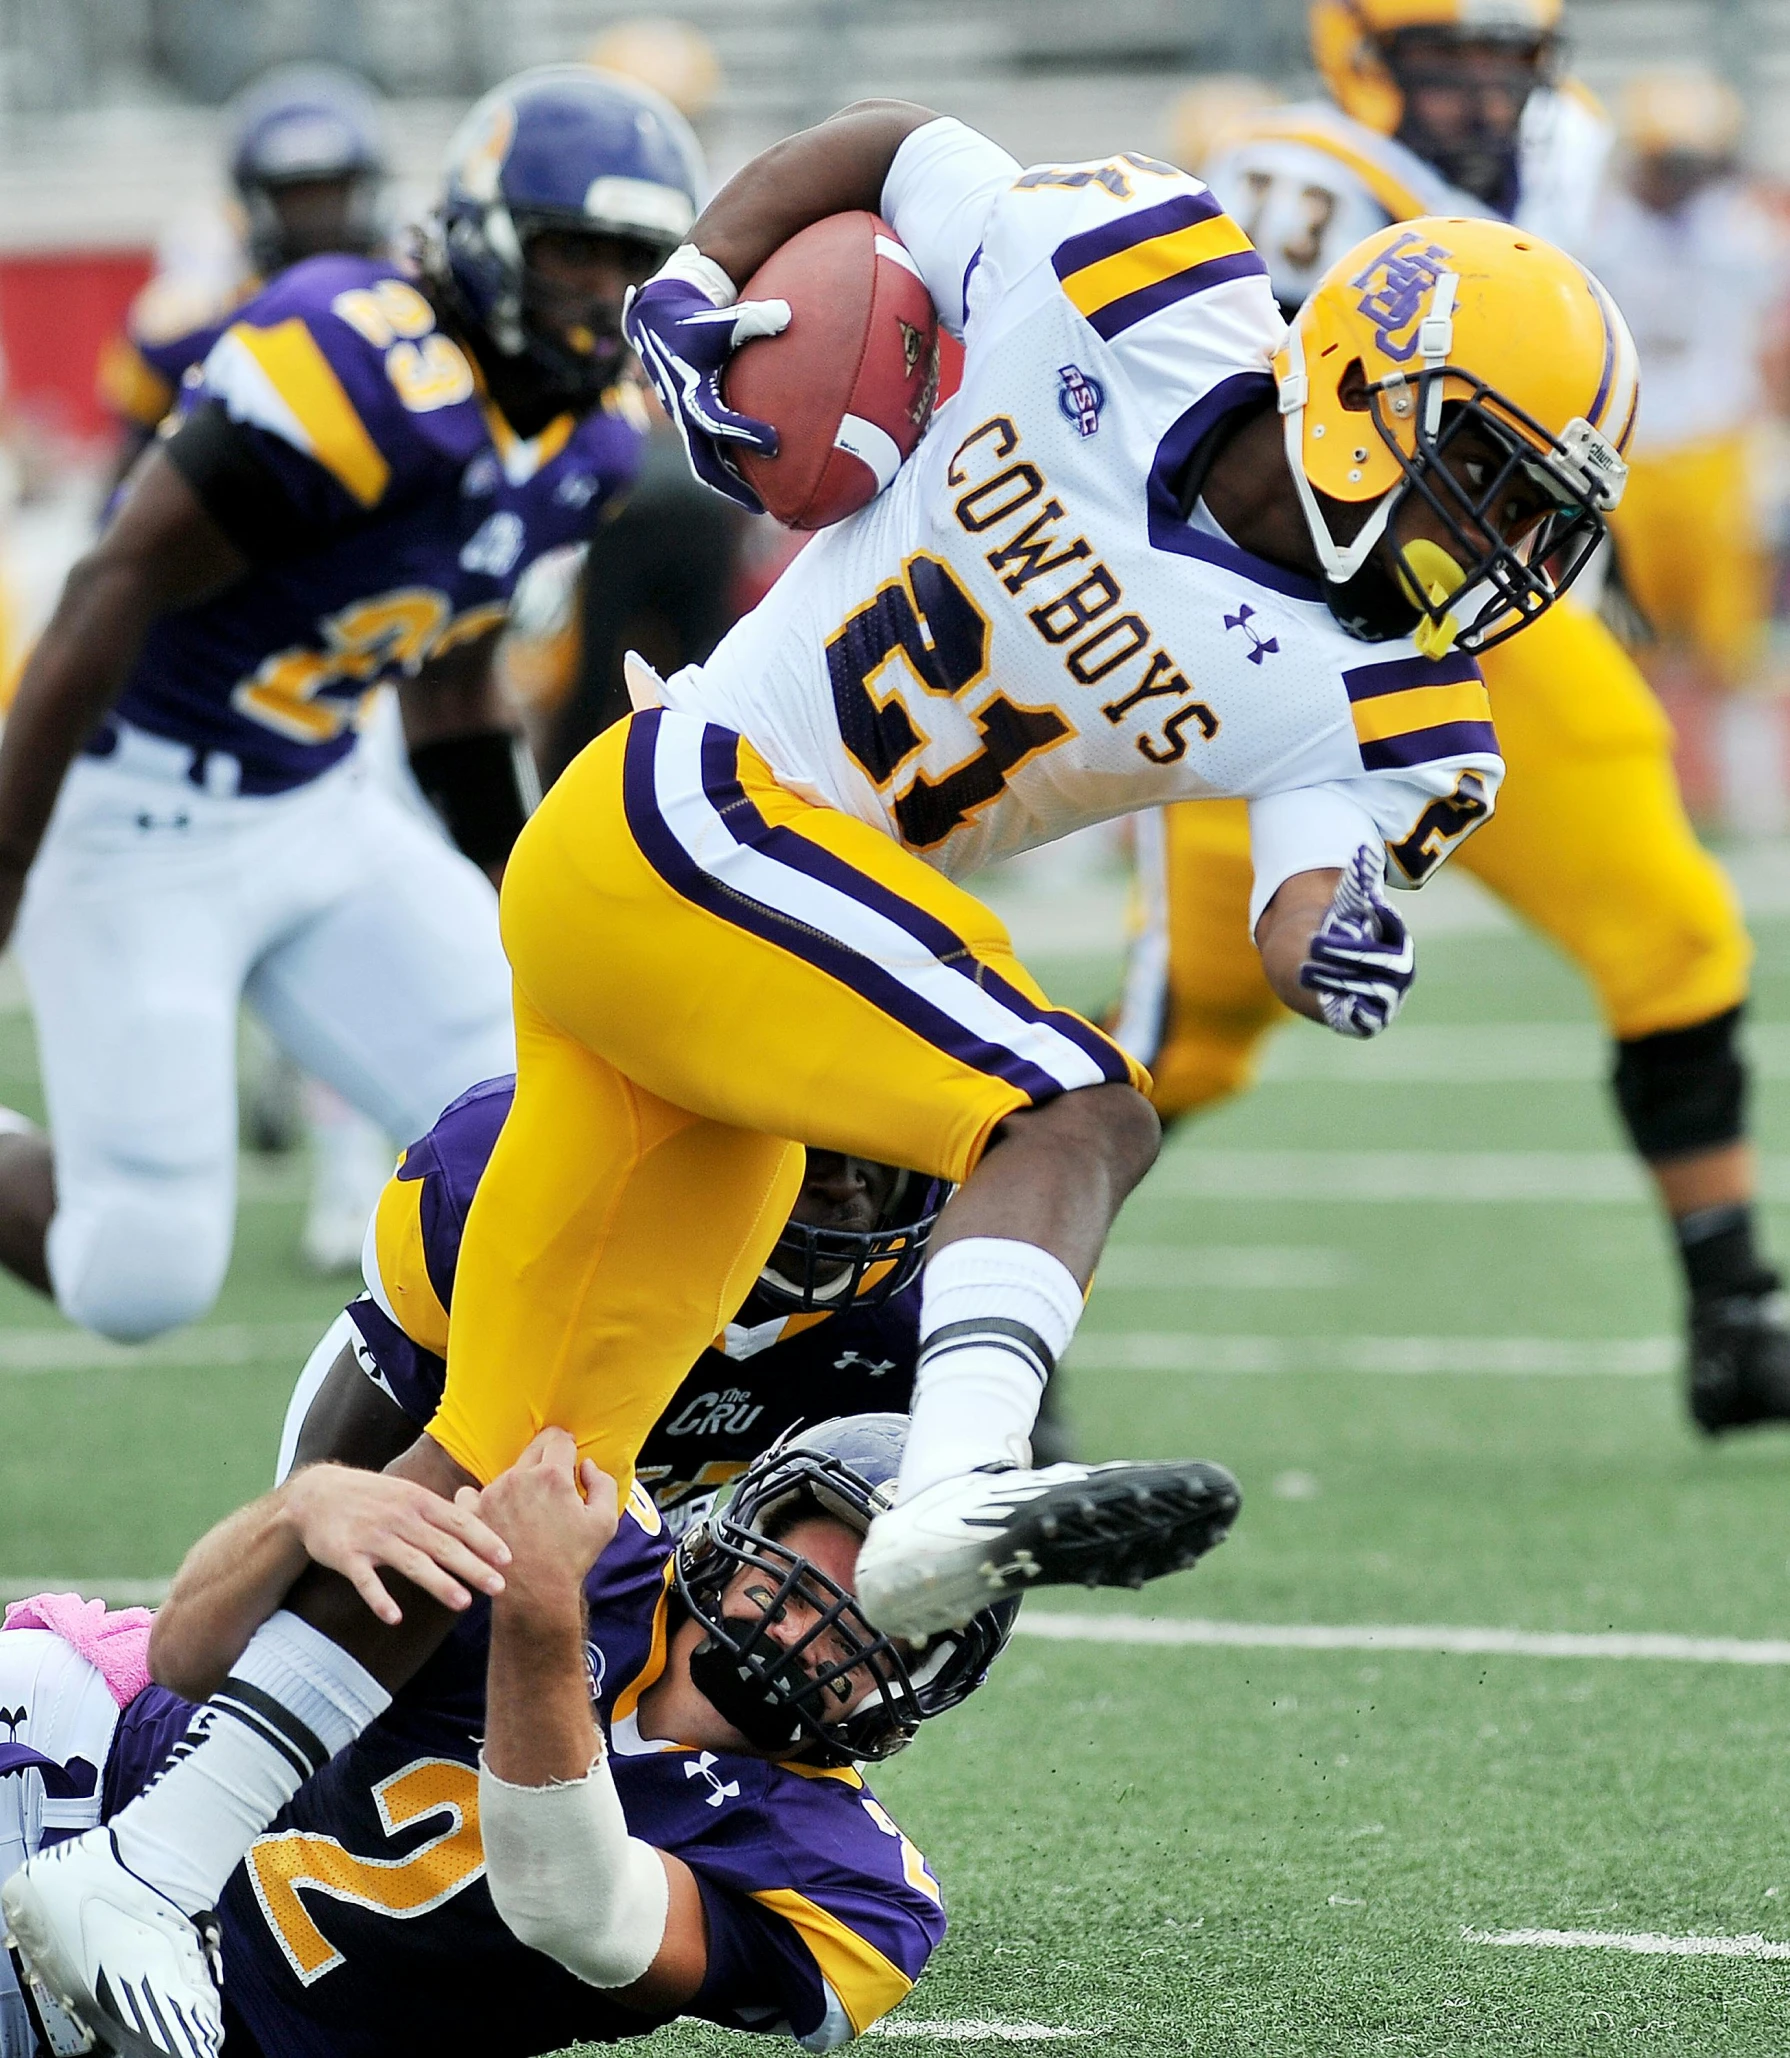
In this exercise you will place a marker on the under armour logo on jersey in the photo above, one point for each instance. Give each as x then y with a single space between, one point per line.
719 1790
1396 288
494 546
876 1367
1260 646
577 489
14 1719
479 480
1080 398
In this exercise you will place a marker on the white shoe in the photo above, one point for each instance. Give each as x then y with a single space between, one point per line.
931 1563
109 1963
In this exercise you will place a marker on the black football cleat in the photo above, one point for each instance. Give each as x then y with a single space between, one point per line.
1738 1373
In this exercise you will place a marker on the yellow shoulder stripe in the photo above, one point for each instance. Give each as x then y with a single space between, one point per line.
404 1265
304 379
1399 201
1098 285
867 1984
629 1697
1420 707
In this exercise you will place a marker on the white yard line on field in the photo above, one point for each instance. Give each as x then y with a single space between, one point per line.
974 2031
1585 1178
27 1351
1515 1357
1478 1054
1318 1636
1647 1942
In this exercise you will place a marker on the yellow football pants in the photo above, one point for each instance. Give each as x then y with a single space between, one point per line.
1692 554
710 973
1589 844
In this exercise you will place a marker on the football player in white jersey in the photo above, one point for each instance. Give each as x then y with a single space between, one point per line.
1155 545
1701 266
1454 105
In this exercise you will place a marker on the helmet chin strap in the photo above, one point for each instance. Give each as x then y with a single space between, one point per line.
1435 338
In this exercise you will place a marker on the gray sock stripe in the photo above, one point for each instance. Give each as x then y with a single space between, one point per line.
259 1711
1000 1332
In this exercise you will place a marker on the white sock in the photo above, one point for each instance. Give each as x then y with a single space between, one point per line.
294 1700
995 1316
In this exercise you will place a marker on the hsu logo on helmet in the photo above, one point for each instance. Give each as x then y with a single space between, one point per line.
1080 398
1397 288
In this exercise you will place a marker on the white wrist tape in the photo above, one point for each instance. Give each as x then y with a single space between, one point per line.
567 1878
686 262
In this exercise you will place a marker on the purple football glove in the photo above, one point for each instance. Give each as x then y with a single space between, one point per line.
1361 963
684 340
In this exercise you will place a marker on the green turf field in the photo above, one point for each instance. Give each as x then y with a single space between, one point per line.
1215 1849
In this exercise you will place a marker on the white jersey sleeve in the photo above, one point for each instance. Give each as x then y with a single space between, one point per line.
1417 821
937 198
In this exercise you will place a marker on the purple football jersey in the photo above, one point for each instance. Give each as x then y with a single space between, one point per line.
360 1926
413 507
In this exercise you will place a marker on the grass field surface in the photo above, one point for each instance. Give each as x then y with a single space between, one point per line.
1416 1298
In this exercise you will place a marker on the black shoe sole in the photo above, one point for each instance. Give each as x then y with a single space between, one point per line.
1120 1527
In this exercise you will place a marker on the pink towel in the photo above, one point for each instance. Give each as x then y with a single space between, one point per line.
116 1645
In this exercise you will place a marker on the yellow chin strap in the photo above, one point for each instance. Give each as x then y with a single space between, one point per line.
1441 579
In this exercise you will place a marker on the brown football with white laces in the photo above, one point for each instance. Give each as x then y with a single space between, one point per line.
849 386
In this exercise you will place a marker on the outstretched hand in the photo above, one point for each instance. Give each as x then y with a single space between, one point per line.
557 1515
1361 961
354 1522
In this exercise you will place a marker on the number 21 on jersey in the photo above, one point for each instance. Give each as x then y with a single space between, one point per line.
923 636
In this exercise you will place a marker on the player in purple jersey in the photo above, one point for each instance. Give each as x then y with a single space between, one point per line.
832 1326
308 167
607 1801
366 465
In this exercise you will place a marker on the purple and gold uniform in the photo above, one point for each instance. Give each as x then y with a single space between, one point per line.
397 510
764 1374
168 332
360 1925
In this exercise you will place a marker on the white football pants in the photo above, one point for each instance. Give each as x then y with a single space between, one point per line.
366 943
54 1702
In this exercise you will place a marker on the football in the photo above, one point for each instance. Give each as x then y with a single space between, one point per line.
849 386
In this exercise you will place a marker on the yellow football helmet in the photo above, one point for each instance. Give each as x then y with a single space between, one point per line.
1469 369
1214 112
1681 111
1349 40
677 60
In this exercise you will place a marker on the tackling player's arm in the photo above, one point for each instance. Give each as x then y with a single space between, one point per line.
163 551
564 1873
238 1573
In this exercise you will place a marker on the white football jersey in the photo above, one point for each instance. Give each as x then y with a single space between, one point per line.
1024 634
1698 288
1309 182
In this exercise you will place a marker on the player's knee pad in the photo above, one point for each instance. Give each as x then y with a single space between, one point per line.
1683 1090
130 1261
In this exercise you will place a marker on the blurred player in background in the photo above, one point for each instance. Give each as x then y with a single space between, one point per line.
1442 108
664 573
1701 268
308 169
359 476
